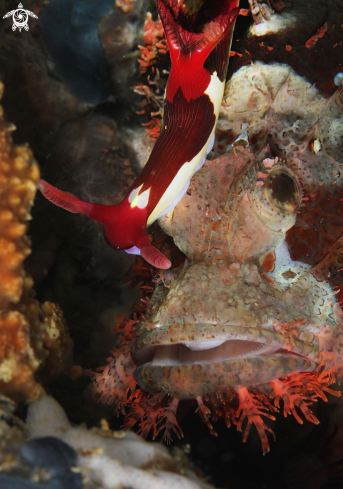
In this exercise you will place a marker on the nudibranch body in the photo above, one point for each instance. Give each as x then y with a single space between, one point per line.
199 49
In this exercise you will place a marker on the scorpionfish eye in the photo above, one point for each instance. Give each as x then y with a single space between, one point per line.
276 197
283 188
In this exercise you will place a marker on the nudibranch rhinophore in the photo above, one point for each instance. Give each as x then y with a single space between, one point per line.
199 49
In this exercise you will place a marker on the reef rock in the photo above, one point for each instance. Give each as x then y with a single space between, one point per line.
34 100
305 35
70 34
109 459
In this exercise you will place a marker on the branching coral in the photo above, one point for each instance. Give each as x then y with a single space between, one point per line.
30 334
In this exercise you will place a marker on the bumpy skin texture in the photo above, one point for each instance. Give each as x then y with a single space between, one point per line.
30 333
231 302
240 282
247 214
242 222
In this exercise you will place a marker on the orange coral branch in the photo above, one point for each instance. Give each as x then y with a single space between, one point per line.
126 326
291 394
300 390
222 405
154 127
169 421
154 42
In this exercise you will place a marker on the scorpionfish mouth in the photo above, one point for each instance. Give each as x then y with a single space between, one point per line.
226 327
191 360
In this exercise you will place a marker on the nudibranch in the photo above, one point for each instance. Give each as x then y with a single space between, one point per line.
199 49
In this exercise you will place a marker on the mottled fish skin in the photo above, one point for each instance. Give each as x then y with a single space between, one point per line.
224 294
245 315
225 284
199 49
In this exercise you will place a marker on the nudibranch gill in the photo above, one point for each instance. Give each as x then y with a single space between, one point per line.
199 50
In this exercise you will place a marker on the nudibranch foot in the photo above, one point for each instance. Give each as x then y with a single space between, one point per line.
122 230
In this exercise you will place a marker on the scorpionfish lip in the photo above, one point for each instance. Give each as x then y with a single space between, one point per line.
191 360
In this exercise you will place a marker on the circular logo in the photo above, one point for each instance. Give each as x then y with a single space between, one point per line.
20 18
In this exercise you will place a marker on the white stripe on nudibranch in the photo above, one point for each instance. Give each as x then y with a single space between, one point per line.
184 190
143 199
134 194
140 201
173 194
215 91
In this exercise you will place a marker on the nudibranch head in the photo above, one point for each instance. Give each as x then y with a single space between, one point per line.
120 233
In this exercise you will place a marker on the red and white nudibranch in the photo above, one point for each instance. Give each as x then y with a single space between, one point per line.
199 50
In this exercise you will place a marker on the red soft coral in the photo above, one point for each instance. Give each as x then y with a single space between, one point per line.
152 89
